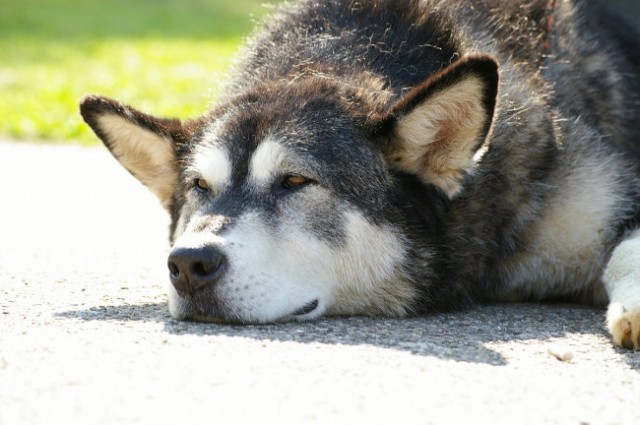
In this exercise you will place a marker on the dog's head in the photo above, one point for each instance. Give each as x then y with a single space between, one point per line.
287 201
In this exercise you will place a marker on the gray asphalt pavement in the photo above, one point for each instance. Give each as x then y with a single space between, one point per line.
85 336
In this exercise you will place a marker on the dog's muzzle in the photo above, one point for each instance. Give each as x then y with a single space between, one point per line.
193 269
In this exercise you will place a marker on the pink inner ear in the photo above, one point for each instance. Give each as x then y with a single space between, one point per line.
437 138
447 130
458 117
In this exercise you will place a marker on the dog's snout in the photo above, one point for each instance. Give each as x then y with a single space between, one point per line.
192 269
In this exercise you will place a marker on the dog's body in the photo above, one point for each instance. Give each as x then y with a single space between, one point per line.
371 157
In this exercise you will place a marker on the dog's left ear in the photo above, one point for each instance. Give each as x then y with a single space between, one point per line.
438 126
143 144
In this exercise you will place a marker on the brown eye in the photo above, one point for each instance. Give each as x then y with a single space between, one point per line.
201 185
292 181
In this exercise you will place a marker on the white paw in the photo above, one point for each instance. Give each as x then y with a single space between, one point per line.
624 326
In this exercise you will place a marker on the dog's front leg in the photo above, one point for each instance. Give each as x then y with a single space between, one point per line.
622 280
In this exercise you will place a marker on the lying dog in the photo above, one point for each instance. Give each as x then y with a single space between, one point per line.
397 157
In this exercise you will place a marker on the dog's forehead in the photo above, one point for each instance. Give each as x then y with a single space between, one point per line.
233 148
255 140
244 143
219 163
269 158
213 163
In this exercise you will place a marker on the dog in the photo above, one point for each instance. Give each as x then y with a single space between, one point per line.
403 157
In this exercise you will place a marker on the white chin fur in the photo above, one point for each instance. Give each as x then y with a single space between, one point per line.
184 309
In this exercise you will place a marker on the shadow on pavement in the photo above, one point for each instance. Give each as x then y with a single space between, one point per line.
148 312
462 336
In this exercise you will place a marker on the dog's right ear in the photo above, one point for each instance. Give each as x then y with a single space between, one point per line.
438 126
144 145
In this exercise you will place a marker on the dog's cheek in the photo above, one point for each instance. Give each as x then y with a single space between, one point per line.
179 224
177 307
347 255
316 213
272 272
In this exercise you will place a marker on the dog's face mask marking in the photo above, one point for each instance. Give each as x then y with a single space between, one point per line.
284 207
283 242
212 166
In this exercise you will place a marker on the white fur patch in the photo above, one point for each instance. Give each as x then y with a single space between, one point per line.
566 255
268 158
622 280
147 155
213 164
365 271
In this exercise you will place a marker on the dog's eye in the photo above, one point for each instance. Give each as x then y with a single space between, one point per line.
295 181
201 185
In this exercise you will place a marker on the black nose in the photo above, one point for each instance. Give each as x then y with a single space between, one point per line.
192 269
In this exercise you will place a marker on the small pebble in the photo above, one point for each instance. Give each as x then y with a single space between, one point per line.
562 355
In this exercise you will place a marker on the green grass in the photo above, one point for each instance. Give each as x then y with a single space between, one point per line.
165 56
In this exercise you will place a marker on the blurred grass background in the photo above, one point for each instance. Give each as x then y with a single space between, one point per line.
165 56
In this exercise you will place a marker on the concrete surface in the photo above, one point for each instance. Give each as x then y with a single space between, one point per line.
85 337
